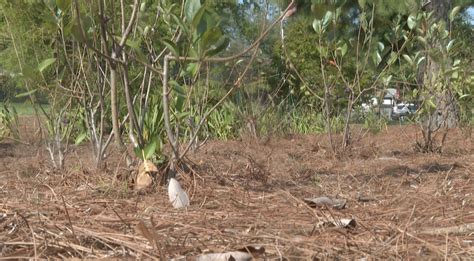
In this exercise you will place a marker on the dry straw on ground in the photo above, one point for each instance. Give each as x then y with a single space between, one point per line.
404 204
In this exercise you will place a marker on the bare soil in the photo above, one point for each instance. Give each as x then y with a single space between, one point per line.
246 193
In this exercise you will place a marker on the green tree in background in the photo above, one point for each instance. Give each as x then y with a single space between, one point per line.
105 60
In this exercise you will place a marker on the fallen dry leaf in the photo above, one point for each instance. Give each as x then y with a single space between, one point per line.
255 251
144 176
243 254
234 255
325 201
339 223
147 166
143 181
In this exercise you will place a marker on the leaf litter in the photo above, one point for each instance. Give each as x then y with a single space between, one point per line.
85 213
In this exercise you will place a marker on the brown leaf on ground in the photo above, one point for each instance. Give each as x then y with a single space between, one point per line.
144 177
325 201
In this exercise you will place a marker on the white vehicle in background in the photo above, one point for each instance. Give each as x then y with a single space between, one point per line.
388 107
384 105
402 110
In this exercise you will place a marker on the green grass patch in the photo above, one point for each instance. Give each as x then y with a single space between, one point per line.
24 108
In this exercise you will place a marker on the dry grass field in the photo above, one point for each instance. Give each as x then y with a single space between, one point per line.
246 194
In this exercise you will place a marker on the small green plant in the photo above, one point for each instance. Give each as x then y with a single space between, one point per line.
337 124
374 123
8 122
80 132
316 179
151 151
305 122
222 122
272 122
59 129
466 119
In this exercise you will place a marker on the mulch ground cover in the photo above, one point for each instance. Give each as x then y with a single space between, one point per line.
247 195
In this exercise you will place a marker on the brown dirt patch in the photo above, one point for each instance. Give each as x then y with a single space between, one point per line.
246 194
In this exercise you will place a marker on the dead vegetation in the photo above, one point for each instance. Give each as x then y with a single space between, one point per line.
398 204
